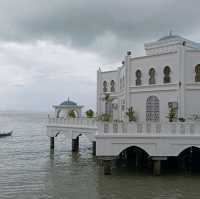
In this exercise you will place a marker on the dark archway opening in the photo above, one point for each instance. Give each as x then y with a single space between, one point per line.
134 158
188 161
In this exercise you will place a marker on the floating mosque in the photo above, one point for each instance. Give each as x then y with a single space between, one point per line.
148 109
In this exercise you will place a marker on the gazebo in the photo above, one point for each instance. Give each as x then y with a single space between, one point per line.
62 110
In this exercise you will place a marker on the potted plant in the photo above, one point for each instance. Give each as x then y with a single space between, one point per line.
89 113
172 115
131 114
72 114
105 117
108 98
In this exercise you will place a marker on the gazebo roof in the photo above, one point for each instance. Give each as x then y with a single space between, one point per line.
68 103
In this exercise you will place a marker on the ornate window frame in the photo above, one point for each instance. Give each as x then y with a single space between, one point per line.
167 77
197 73
105 86
152 74
112 86
138 75
153 109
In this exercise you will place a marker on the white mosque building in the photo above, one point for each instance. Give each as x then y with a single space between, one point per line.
168 75
166 78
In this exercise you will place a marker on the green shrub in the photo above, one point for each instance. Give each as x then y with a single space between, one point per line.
131 114
89 113
72 114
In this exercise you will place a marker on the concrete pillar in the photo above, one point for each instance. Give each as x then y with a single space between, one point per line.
75 144
107 167
156 167
51 143
94 148
157 164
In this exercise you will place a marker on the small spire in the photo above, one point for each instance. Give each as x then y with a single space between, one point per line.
170 32
68 99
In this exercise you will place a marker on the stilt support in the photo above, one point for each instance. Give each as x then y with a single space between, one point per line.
157 165
51 143
107 167
94 148
75 144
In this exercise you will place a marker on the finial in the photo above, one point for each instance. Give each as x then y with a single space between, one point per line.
170 32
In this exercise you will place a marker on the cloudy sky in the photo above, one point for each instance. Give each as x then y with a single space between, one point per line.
51 49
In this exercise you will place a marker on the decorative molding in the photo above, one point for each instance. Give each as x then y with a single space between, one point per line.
192 86
154 87
109 71
153 55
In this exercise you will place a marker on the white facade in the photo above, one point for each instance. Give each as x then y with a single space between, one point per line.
169 75
180 85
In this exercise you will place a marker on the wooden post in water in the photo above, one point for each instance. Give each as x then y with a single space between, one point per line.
94 148
157 164
52 143
156 167
75 144
107 167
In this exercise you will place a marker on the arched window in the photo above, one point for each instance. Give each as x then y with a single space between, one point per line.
167 71
138 80
197 71
112 86
152 109
105 85
152 73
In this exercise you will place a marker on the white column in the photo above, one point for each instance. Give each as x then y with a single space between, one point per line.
127 80
181 100
99 86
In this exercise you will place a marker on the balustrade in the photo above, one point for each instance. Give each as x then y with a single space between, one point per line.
143 128
178 128
72 121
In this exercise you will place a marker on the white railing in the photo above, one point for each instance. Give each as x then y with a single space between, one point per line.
174 128
78 122
138 128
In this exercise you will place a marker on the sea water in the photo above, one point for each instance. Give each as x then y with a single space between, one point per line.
29 171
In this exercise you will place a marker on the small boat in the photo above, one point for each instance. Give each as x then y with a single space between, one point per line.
5 134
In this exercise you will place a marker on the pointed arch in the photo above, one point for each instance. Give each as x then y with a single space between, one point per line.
112 86
152 74
152 109
167 77
197 71
105 86
138 75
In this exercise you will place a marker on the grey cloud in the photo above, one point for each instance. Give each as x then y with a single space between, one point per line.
83 24
51 49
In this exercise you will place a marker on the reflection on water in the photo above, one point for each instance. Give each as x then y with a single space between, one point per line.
29 170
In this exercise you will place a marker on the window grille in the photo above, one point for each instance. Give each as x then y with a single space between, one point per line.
152 109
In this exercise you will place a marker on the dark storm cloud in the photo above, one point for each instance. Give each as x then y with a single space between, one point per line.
96 25
51 49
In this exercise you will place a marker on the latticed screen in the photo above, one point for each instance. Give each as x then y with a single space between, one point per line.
152 109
